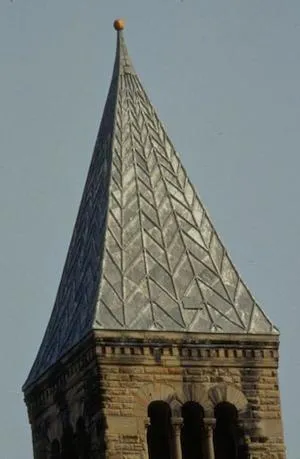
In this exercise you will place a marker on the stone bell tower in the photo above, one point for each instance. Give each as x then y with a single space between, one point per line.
155 347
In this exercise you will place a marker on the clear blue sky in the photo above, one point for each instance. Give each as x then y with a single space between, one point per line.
224 77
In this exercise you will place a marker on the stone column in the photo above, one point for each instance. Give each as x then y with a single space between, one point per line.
177 424
146 425
244 438
209 425
248 443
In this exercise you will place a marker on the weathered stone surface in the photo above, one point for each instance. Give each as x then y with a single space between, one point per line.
126 382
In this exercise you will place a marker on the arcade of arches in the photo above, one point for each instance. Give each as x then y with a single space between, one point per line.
189 436
73 445
192 436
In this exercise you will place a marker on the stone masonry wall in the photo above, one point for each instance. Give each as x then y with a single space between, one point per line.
111 381
134 375
63 396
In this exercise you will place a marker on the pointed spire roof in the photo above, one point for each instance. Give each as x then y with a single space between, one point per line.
144 254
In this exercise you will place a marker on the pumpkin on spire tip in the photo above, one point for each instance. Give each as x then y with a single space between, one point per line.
119 24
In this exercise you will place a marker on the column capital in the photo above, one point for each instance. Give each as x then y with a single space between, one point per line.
210 422
247 439
147 422
209 425
177 420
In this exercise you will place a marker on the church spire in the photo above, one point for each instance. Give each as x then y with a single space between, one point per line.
122 57
144 254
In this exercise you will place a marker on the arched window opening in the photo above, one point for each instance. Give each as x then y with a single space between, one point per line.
229 438
68 447
192 438
159 434
82 440
55 449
